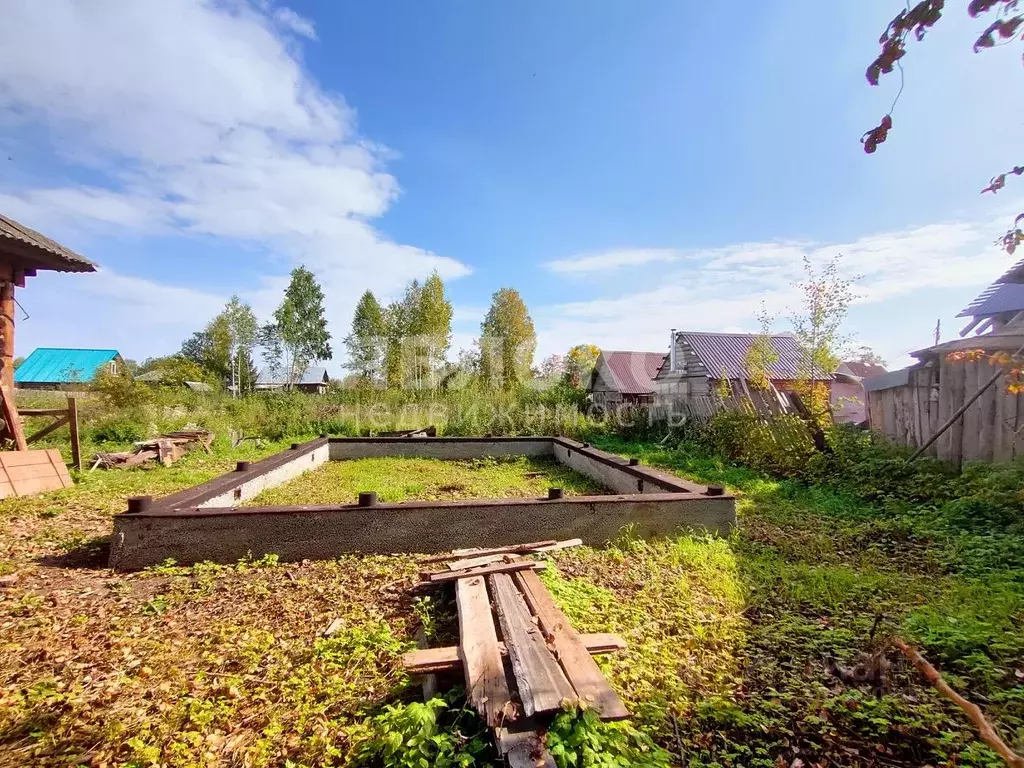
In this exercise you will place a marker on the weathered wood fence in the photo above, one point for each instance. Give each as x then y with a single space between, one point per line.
919 403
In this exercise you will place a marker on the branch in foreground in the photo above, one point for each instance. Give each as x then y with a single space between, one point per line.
988 734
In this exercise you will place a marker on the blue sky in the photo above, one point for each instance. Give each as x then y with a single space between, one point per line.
629 167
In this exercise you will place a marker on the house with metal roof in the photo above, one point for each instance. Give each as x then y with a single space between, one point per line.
698 360
997 305
314 379
624 378
63 368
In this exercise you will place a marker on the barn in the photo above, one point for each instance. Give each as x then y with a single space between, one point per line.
624 378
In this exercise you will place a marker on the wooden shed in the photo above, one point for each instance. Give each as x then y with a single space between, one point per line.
910 405
623 378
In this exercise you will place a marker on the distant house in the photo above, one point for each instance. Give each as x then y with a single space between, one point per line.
697 361
156 377
314 380
60 368
998 304
624 378
848 398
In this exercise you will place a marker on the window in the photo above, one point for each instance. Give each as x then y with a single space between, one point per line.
113 366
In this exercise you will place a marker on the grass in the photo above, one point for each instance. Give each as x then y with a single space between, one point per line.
224 665
408 479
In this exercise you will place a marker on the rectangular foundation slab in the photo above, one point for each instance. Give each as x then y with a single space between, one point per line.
201 523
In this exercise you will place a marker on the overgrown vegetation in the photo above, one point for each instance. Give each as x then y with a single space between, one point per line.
396 479
730 641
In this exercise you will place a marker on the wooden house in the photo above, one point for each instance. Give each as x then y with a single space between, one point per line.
23 253
56 368
313 380
697 361
624 378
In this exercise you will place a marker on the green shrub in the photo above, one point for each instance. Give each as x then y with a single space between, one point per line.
119 429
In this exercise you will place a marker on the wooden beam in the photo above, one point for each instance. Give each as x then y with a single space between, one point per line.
76 445
486 687
440 577
10 415
47 430
580 668
7 336
511 550
43 411
445 658
540 681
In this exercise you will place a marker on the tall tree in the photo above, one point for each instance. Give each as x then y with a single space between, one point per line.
367 340
579 364
826 298
431 331
507 340
761 354
400 318
210 348
243 328
301 326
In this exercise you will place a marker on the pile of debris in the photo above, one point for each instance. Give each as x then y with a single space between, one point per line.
166 449
506 614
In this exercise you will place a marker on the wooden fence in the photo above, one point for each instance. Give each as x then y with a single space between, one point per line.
991 429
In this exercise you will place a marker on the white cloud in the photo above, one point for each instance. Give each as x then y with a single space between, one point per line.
197 117
614 259
293 22
721 289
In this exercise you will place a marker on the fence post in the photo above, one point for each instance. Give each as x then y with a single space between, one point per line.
76 448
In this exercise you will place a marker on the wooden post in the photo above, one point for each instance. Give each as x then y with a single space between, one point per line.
76 448
7 335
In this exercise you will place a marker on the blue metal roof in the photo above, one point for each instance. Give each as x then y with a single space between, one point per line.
48 365
312 375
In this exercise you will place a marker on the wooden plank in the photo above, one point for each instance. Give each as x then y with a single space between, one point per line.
32 471
474 562
580 668
9 411
43 411
539 679
972 416
76 445
48 429
446 658
441 577
59 467
511 550
987 417
484 671
23 458
999 430
559 545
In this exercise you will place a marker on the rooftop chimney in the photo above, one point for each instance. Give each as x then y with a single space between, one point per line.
672 351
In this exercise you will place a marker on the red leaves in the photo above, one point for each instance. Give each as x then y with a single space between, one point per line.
877 135
917 20
998 182
1005 28
977 7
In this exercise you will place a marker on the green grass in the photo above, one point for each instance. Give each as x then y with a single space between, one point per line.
409 479
219 665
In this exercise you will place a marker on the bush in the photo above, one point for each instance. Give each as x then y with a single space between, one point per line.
117 430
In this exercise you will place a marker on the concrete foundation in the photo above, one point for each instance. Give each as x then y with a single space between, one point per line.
203 523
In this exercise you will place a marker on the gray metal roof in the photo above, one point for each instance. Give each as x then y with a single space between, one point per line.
51 254
727 352
313 375
888 380
996 299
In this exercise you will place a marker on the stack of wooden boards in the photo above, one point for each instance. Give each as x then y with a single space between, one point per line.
550 665
166 449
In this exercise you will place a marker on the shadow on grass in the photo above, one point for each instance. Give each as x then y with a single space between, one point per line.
92 554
